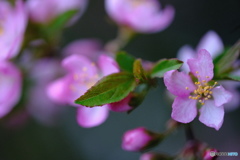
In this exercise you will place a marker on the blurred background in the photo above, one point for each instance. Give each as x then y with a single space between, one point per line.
68 141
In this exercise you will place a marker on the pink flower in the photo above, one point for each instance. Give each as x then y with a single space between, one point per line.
212 43
12 27
86 47
44 11
204 91
143 16
10 87
82 73
39 105
139 139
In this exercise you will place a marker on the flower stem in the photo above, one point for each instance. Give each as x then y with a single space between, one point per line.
189 133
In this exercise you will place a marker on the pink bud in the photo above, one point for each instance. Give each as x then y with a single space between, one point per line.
139 139
154 156
209 154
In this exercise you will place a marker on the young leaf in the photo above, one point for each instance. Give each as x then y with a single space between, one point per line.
223 63
125 61
56 25
165 65
109 89
231 77
138 71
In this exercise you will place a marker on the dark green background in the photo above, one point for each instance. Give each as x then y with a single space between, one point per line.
68 141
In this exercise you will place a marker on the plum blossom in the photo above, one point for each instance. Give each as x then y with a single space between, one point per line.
144 16
139 139
204 91
13 21
212 43
44 11
10 87
82 73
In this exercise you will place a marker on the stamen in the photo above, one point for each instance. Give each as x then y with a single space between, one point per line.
207 77
186 88
197 72
1 30
204 81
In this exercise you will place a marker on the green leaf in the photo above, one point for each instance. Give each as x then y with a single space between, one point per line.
56 25
223 63
138 71
109 89
125 61
231 77
165 65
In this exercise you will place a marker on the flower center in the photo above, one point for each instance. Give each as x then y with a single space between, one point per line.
203 91
83 79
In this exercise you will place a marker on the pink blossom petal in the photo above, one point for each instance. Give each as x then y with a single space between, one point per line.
80 64
212 43
202 66
234 103
88 47
116 9
121 106
58 90
211 115
176 82
10 87
184 109
107 65
186 52
221 96
91 117
152 22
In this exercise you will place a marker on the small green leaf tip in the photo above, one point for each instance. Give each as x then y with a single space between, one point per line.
165 65
125 61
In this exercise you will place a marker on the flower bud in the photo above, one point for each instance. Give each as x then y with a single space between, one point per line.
154 156
209 154
140 139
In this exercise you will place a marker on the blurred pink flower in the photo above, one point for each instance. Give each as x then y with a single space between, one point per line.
205 91
212 43
39 105
43 11
139 139
82 73
10 87
144 16
86 47
13 21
